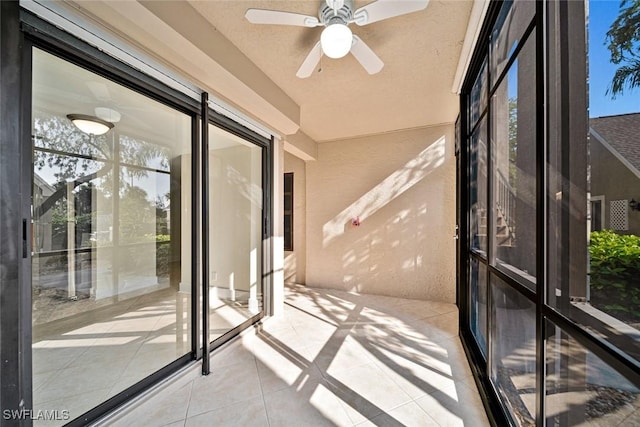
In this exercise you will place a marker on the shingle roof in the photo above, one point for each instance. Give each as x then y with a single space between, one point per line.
622 132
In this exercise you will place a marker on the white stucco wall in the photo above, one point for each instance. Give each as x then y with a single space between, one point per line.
295 261
402 187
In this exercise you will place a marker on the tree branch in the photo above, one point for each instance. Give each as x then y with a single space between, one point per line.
62 191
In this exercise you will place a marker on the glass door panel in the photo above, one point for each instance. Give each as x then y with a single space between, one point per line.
478 303
582 389
111 276
513 351
235 231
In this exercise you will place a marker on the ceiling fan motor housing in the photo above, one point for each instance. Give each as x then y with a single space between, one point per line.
337 39
329 16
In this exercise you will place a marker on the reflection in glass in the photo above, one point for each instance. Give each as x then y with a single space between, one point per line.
137 152
584 390
513 350
478 187
478 302
514 18
59 134
235 218
478 96
513 139
110 264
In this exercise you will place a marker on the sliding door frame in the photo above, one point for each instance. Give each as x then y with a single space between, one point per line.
15 230
222 122
21 32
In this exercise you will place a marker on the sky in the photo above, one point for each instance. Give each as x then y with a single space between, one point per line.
601 14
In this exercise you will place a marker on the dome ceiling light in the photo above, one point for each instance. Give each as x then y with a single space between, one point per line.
90 124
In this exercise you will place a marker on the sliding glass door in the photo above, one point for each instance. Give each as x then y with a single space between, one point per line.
235 212
128 190
111 277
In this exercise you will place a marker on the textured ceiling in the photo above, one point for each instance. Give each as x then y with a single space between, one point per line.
340 100
254 66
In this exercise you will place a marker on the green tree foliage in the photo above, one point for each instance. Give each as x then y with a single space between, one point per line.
137 216
623 40
84 216
615 273
58 136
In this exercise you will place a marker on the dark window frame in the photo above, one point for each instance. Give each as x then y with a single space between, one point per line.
288 213
551 29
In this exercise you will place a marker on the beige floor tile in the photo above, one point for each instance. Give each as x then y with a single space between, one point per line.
276 324
74 407
446 324
250 413
54 359
316 329
416 375
366 391
225 386
381 301
77 380
339 358
284 338
102 354
149 361
274 380
311 405
330 308
633 419
416 310
231 354
409 414
279 369
137 326
340 354
159 410
40 379
455 406
124 382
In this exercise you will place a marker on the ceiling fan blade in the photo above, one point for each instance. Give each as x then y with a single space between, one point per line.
365 56
310 62
277 17
383 9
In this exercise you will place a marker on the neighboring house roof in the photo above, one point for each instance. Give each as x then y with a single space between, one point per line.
47 189
622 133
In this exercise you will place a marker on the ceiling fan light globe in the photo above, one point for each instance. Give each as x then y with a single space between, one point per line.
336 40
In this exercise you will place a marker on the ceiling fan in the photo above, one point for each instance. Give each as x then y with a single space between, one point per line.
337 39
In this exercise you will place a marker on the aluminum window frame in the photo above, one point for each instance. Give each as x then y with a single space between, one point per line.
551 26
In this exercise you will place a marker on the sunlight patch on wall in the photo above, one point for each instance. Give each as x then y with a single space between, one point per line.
391 187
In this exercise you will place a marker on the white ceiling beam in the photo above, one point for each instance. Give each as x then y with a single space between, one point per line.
478 12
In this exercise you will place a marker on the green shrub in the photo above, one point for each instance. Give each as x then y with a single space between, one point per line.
615 273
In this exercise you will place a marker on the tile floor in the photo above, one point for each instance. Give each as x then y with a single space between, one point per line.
333 358
94 352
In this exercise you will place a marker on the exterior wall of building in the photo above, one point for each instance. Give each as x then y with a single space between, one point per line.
295 261
613 180
400 188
